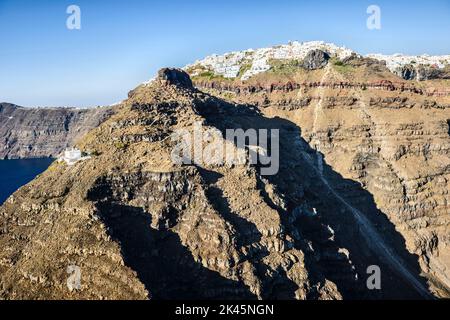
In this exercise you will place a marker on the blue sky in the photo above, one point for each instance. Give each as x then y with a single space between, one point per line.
123 43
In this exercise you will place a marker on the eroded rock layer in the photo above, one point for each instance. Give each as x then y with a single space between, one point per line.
44 132
390 141
344 198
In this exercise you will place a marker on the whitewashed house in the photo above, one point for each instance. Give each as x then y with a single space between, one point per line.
72 156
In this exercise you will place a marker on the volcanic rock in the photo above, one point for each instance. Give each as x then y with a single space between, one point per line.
315 59
175 76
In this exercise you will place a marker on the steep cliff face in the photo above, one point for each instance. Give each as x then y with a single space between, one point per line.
384 136
138 225
41 132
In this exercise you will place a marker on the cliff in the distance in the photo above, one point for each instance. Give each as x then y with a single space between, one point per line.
44 132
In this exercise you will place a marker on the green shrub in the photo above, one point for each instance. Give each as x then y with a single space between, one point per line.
120 145
244 68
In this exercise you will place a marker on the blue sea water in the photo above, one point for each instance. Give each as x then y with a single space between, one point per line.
16 173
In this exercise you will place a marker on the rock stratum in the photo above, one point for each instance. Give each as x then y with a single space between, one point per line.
363 180
44 132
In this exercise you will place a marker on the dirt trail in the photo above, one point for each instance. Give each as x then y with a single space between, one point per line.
370 233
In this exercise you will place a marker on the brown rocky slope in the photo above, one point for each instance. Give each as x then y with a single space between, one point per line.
140 226
389 136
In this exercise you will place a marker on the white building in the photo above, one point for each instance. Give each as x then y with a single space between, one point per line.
229 65
72 156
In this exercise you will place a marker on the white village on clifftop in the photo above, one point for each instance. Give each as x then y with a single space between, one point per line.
229 65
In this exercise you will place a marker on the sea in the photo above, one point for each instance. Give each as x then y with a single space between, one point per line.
16 173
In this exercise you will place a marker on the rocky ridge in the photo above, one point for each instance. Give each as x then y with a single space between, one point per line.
388 135
139 226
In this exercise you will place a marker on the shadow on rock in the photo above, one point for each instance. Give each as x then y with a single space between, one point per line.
338 247
161 262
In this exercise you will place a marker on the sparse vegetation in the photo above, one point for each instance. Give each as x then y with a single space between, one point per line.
284 66
340 66
210 75
244 68
206 74
120 145
95 153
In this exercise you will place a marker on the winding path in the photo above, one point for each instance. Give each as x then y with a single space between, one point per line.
372 236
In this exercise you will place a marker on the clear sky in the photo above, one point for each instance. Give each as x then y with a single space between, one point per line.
123 43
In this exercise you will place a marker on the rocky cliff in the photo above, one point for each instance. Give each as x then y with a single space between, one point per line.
138 225
374 132
363 181
44 132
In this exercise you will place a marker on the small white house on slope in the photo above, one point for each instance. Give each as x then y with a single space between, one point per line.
72 156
